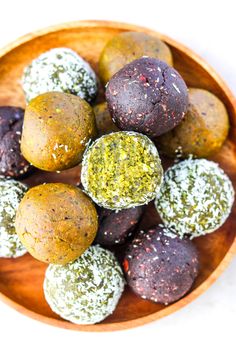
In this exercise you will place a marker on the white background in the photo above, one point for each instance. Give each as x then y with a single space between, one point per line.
207 324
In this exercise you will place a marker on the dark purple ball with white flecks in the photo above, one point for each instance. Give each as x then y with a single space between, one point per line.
147 96
159 266
12 163
116 226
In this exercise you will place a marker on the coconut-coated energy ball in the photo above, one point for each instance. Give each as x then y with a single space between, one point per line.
87 290
196 197
56 222
11 193
60 70
159 266
12 163
121 170
203 129
147 96
116 226
57 128
128 46
104 122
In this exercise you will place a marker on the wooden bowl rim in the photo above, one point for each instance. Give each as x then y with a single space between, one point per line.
102 327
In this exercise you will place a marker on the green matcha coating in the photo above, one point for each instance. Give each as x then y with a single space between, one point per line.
122 170
196 197
87 290
11 193
60 70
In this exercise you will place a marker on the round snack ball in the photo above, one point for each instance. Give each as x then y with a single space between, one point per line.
159 266
196 197
61 70
115 227
104 122
203 129
121 170
128 46
56 222
11 193
12 163
87 290
147 96
57 128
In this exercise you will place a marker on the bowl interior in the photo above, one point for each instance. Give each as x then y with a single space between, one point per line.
21 279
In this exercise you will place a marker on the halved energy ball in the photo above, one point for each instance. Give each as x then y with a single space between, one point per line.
56 222
147 96
60 70
196 197
11 193
87 290
122 170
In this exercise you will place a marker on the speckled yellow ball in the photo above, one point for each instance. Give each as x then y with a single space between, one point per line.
56 222
104 122
57 127
202 131
128 46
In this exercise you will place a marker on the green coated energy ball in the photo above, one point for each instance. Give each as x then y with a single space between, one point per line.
60 70
196 197
87 290
122 170
11 193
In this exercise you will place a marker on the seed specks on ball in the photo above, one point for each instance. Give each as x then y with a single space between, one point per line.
61 70
159 266
11 193
196 197
87 290
121 170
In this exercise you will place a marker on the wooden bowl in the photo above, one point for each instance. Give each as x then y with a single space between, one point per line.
21 279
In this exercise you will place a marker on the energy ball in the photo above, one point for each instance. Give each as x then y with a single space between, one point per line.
56 222
57 128
115 227
196 197
11 193
121 170
128 46
12 163
203 129
147 96
104 122
161 267
87 290
61 70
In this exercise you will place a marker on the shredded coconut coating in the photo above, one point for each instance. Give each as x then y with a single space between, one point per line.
196 197
122 170
87 290
61 70
11 193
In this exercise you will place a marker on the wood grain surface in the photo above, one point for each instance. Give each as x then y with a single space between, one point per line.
21 279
